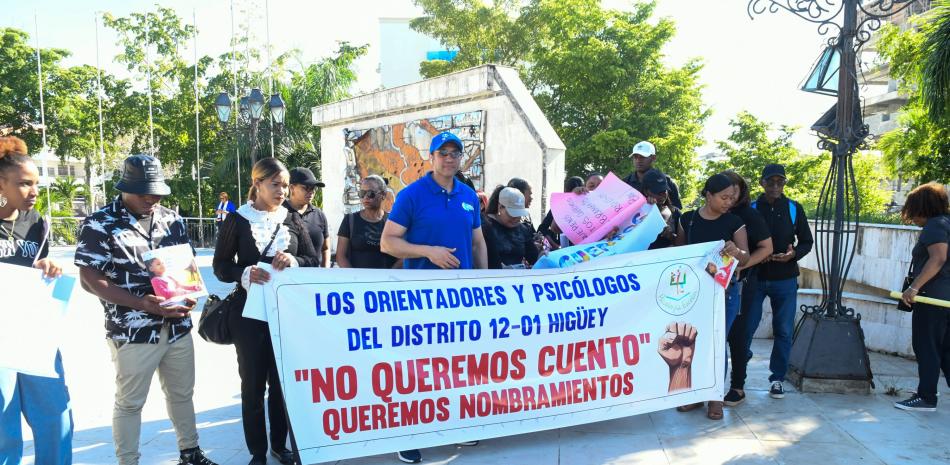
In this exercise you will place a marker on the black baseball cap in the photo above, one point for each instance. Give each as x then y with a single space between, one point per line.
773 169
142 174
304 176
655 181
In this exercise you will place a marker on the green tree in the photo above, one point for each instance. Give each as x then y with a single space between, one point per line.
920 146
596 73
482 33
174 105
302 86
67 189
935 79
19 91
754 143
71 103
328 80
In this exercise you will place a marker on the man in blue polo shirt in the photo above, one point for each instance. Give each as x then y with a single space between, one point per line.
436 223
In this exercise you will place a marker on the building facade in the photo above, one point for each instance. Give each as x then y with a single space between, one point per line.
52 168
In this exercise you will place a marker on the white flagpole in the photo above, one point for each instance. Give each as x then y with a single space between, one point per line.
44 152
270 77
201 218
148 78
102 150
236 110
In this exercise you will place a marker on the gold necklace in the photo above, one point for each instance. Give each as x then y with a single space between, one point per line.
12 227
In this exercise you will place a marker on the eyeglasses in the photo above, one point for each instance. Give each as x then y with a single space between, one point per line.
308 188
369 194
775 183
450 153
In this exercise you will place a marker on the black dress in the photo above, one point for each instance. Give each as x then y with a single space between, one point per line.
237 249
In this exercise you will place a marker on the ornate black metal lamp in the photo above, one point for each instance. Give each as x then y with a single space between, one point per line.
828 352
250 110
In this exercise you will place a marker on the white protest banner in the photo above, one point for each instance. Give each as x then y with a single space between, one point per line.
589 217
635 235
33 324
375 361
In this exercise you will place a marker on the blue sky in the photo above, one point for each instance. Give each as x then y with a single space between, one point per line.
753 65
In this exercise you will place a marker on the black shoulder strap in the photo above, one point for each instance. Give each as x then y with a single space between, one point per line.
689 229
272 237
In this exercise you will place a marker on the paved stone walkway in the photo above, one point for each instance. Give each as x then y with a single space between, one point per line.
800 429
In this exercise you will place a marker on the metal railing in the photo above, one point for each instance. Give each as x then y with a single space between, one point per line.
201 231
65 231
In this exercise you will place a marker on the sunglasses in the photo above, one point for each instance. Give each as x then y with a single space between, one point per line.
775 183
450 153
369 194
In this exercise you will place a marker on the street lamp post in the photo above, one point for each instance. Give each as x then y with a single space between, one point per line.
251 110
828 352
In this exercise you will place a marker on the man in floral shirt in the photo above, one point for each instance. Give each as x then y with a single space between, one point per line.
143 335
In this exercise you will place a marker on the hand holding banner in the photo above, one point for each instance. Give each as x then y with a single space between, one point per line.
589 217
32 326
924 300
635 235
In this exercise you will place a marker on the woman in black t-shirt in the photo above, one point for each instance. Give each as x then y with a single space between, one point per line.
928 207
714 222
357 243
760 245
23 241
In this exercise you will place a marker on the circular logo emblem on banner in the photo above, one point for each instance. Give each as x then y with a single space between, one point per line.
678 289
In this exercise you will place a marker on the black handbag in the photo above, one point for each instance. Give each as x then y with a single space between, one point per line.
908 280
215 322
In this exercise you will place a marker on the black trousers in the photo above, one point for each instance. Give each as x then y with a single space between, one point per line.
258 370
740 335
930 337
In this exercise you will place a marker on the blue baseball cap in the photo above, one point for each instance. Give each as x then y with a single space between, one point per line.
445 138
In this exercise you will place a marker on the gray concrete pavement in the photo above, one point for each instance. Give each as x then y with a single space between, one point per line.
800 429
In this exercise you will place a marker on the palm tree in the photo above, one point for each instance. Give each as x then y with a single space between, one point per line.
68 189
60 196
50 196
935 78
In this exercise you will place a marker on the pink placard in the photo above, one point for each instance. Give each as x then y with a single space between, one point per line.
587 218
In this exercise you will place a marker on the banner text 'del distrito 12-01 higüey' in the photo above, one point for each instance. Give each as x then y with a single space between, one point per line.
375 361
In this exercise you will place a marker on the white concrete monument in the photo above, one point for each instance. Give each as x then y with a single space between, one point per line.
388 133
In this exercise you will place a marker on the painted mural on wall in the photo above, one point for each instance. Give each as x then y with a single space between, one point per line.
400 153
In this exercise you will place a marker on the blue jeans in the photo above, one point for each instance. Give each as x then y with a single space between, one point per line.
45 404
784 297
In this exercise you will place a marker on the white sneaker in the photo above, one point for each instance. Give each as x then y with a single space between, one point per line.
777 390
